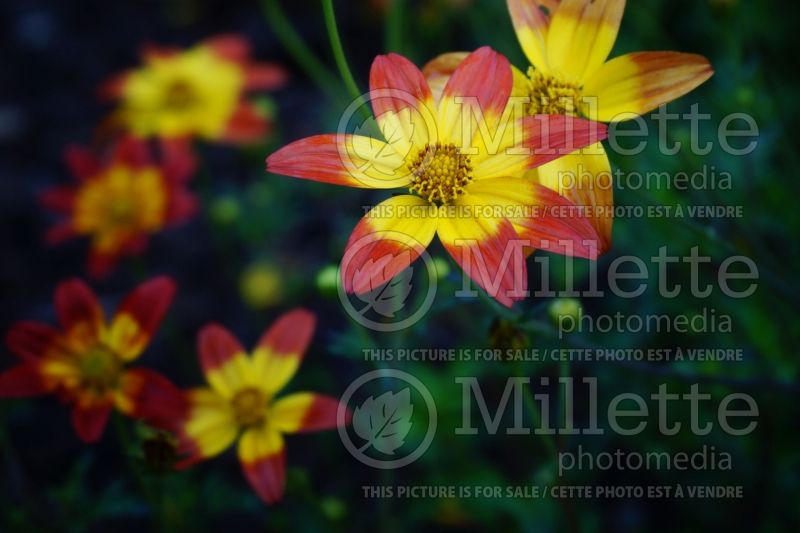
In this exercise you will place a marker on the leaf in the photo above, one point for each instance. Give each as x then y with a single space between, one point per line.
384 421
389 298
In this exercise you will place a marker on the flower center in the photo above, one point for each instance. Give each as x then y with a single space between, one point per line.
440 173
552 96
100 368
179 95
249 407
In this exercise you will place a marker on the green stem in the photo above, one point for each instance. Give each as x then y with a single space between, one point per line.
394 26
302 54
338 51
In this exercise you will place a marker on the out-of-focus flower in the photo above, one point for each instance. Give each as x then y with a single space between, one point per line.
84 362
240 402
199 92
261 285
506 335
561 308
471 194
567 43
328 280
120 200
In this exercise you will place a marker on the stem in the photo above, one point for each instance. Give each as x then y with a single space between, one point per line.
302 54
394 26
338 51
536 415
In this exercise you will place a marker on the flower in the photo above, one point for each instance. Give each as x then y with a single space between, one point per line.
197 92
240 402
467 189
567 43
120 200
85 362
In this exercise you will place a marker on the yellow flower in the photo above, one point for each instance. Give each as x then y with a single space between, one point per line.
197 92
240 402
567 43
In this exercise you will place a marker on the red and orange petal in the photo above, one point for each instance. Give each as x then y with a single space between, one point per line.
139 315
349 160
484 78
489 251
208 428
149 396
89 420
23 381
305 412
262 454
281 349
79 313
223 359
30 340
386 241
247 124
639 82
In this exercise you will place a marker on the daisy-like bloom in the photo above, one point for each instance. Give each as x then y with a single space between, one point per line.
567 43
241 404
120 200
84 362
463 161
200 92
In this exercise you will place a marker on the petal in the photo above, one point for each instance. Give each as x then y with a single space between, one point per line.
247 125
263 458
582 34
31 340
480 86
209 428
77 307
58 199
386 241
541 216
90 421
264 76
223 359
22 381
530 24
402 103
350 160
281 349
542 138
60 232
178 160
486 249
132 151
585 180
638 83
148 395
305 411
139 316
100 265
438 70
229 46
81 162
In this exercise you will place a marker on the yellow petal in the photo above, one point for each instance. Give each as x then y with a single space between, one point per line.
640 82
530 24
582 34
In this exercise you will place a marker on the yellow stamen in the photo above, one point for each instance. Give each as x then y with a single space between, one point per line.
552 96
440 173
249 407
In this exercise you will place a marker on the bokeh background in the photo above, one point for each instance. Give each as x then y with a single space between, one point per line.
260 242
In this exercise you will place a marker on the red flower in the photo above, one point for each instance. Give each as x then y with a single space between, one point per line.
84 362
120 200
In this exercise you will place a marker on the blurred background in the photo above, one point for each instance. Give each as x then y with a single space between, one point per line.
262 244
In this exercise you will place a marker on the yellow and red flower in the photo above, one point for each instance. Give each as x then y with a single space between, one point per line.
466 188
241 404
567 43
120 200
199 92
84 362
